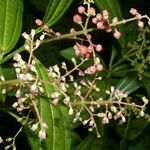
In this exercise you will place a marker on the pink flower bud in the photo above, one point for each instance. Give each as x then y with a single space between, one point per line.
94 20
100 25
105 14
92 69
115 20
92 11
81 9
58 34
108 29
88 55
133 11
99 67
99 17
90 49
77 18
99 47
72 30
117 34
83 49
77 52
38 22
141 24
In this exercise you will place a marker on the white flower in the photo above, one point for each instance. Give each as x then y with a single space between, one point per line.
34 127
73 60
44 125
32 68
26 36
113 109
145 100
55 95
33 88
142 113
42 37
70 111
85 122
42 135
56 69
15 105
17 57
1 140
32 32
4 91
37 43
27 47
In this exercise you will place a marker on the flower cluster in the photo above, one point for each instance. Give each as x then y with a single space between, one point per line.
81 95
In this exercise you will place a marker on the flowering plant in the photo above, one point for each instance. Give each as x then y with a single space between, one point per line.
59 95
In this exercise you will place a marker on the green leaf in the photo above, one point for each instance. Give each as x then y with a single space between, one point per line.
146 85
114 9
128 85
56 117
56 10
93 143
136 128
10 24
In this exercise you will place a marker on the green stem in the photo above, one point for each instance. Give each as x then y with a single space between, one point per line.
21 49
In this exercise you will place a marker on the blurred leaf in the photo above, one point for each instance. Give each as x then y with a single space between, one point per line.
142 143
131 28
114 10
136 128
10 24
56 117
56 10
128 84
93 143
146 85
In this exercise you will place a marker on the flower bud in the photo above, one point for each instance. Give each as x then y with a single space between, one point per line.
42 135
81 9
38 22
77 18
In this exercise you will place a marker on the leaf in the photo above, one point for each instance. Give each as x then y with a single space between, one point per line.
146 85
93 143
114 9
56 117
128 85
56 10
136 128
10 24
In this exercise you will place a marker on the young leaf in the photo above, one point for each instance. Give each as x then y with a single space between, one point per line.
10 24
55 10
128 85
114 9
56 117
